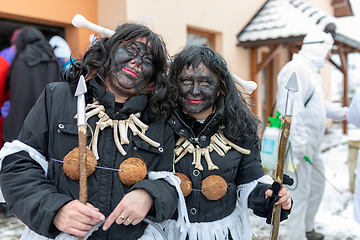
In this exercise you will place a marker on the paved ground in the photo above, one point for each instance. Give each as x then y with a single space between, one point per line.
11 228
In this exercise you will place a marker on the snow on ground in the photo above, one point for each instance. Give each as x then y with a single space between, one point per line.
335 215
10 228
334 218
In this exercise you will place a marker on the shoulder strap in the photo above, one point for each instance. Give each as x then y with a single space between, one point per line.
309 98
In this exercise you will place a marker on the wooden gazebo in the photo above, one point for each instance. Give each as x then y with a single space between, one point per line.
284 23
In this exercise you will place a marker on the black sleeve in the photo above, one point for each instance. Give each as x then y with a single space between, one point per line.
30 195
28 192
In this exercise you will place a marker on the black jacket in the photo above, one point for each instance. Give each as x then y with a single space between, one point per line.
35 67
51 129
236 168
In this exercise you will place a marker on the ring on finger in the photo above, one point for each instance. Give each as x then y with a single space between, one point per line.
129 220
122 217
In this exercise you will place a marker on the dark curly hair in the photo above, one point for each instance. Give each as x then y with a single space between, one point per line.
96 63
239 121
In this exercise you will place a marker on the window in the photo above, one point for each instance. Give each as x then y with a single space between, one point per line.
200 38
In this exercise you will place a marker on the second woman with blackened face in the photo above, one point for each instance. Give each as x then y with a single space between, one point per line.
217 153
198 90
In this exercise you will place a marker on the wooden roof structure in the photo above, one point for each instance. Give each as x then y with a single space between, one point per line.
286 22
342 8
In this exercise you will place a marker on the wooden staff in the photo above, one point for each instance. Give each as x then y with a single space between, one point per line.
81 122
292 87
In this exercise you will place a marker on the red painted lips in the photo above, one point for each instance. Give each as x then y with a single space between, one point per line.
130 71
194 101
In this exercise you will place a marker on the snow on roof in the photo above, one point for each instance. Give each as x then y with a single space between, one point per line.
290 20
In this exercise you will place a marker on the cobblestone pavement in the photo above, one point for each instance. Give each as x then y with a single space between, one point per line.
11 228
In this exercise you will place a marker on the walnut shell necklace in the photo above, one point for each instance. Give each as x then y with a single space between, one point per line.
132 169
213 187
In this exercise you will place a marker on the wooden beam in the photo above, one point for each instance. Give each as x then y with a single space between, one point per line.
345 47
293 48
344 62
270 90
268 57
254 70
342 8
335 65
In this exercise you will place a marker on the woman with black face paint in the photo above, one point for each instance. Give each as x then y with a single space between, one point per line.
217 153
127 102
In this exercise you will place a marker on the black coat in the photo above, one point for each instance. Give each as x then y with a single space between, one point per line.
35 67
236 168
51 129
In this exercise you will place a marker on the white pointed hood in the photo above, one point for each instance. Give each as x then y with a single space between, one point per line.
316 46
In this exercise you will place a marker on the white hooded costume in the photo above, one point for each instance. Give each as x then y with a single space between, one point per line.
307 129
353 116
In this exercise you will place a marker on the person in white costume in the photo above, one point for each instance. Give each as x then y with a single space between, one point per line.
307 130
353 116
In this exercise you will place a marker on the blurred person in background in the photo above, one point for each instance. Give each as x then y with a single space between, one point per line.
33 66
353 116
6 57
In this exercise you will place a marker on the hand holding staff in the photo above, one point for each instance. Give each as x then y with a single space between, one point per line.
292 87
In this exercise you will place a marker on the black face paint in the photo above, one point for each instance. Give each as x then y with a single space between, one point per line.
199 89
132 68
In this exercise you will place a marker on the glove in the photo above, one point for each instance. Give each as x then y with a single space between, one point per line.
263 207
298 151
288 180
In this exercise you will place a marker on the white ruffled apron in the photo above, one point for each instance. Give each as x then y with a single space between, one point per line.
237 223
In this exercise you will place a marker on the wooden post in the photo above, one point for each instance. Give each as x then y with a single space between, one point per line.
253 73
